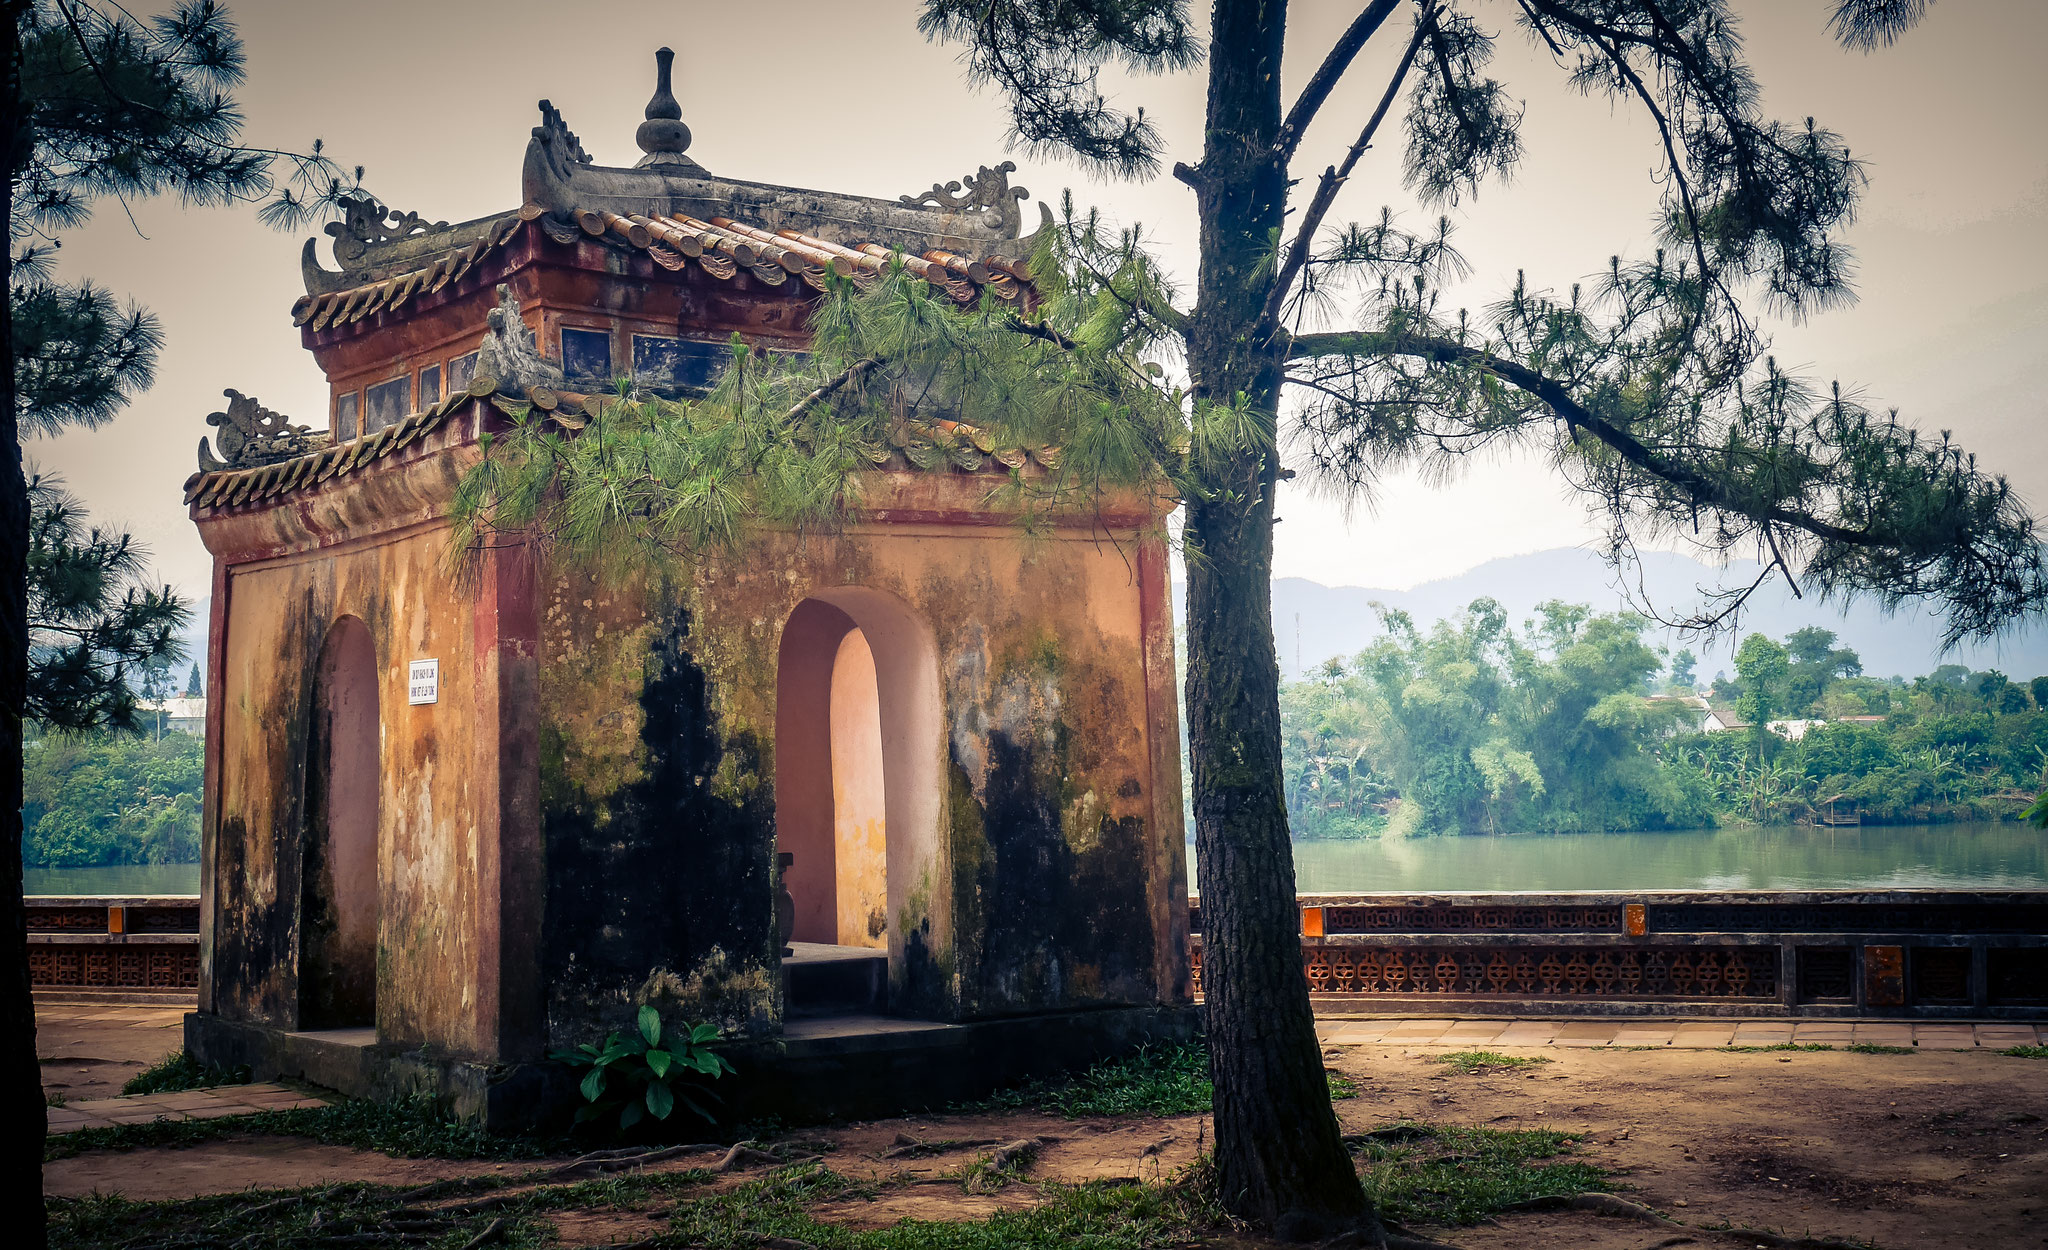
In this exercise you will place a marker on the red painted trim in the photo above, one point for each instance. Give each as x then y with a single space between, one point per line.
1166 878
210 782
504 679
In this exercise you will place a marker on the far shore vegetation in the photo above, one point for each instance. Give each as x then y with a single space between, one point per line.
1574 723
100 798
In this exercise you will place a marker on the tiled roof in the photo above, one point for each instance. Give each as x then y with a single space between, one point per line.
228 488
720 247
318 312
922 445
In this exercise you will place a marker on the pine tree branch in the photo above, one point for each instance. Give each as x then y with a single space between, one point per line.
1702 489
1333 180
1328 74
845 377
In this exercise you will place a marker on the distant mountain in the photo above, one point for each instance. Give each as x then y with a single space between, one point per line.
1312 622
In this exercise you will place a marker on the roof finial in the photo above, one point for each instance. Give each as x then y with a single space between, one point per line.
663 136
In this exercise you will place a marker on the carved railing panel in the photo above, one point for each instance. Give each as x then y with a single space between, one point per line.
1921 953
1543 972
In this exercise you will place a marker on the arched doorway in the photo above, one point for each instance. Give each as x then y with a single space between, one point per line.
338 915
856 794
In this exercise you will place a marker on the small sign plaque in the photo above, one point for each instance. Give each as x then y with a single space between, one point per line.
423 682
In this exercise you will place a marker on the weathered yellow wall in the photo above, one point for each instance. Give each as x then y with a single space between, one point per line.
1039 870
277 618
586 819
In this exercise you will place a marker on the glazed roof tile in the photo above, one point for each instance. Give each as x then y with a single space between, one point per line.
720 247
920 445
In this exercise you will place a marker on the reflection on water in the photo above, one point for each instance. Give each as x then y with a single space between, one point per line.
1778 857
129 879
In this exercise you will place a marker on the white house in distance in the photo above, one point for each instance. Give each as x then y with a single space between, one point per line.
181 714
1706 718
1703 718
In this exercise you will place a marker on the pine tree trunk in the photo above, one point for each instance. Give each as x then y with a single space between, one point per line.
21 1082
1279 1157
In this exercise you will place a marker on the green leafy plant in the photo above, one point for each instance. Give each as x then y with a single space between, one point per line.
636 1075
2026 1052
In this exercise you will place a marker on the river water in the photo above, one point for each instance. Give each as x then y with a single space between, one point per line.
1971 855
126 879
1780 857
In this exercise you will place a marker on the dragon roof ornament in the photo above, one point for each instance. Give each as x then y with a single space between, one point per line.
988 191
252 435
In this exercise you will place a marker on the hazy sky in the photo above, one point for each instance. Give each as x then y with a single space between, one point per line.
437 99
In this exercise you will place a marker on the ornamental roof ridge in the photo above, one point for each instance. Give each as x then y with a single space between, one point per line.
973 217
721 247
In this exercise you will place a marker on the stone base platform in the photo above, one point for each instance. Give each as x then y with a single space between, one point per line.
823 1067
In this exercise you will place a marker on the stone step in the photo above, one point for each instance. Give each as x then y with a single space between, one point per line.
835 980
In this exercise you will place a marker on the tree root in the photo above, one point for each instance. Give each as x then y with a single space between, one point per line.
746 1154
600 1162
1384 1237
908 1147
1013 1155
493 1231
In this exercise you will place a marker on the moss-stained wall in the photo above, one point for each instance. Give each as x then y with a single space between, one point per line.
277 617
1045 875
657 819
586 818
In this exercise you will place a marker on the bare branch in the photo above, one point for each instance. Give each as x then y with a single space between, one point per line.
1333 181
1329 73
838 382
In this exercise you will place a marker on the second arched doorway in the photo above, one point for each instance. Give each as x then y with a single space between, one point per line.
856 796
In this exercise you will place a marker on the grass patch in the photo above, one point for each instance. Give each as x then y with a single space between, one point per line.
1110 1215
411 1129
1438 1174
339 1214
1156 1080
1153 1081
1758 1050
1414 1171
2026 1052
1872 1048
180 1071
1472 1062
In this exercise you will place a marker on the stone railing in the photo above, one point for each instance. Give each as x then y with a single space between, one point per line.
146 945
1898 953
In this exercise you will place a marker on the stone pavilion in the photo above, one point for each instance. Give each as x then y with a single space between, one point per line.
455 822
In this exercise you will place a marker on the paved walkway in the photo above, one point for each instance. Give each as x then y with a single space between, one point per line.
89 1050
195 1104
1688 1034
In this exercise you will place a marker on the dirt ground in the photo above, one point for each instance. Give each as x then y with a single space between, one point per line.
1930 1148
